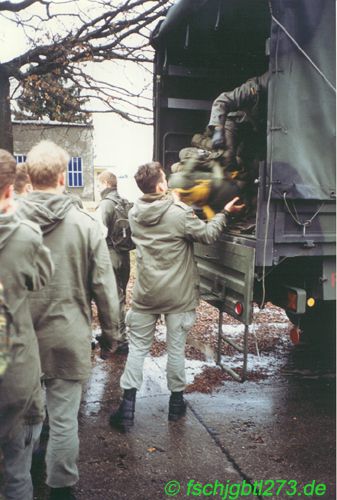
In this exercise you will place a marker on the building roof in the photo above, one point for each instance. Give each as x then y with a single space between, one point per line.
51 123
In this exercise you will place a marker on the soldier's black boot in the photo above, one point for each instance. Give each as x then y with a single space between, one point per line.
122 348
123 418
177 406
65 493
218 138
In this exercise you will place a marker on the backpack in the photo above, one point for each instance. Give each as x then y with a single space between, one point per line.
120 232
5 343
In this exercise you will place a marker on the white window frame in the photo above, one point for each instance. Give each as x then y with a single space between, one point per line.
20 158
75 172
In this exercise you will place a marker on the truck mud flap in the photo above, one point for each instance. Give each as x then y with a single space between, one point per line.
226 273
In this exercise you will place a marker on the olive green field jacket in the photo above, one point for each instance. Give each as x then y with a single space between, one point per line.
25 266
62 311
163 231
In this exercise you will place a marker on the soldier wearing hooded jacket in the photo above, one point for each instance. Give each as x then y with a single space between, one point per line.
25 265
62 313
120 260
163 229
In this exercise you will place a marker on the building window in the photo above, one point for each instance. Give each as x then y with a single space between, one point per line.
75 172
20 158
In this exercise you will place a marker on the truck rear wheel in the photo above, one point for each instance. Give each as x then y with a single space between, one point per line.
318 325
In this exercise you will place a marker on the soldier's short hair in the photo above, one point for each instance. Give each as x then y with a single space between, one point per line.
108 177
7 170
21 178
45 162
148 176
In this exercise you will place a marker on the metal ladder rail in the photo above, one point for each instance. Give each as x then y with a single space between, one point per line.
243 350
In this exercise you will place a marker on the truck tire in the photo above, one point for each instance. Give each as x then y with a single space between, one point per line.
317 324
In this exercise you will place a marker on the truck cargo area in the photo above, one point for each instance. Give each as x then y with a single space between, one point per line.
286 244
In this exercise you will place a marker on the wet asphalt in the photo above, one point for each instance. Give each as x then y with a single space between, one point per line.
281 428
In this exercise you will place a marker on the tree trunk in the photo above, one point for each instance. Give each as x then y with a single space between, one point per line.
6 132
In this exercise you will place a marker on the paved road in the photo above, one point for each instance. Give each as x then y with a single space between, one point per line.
282 427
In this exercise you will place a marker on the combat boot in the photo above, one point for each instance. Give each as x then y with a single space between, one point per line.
122 348
123 418
177 406
65 493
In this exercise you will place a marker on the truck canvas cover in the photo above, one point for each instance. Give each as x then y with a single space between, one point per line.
301 130
301 98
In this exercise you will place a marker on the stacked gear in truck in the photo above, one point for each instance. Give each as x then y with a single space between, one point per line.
226 164
200 181
205 177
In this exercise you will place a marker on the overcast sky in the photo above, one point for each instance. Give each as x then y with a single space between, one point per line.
123 145
120 143
117 141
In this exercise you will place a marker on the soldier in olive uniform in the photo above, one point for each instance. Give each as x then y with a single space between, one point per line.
25 264
120 260
163 229
248 98
62 312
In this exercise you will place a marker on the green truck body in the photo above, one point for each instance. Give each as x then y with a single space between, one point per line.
205 47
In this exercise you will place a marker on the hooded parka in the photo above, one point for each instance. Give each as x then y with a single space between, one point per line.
62 311
163 231
25 265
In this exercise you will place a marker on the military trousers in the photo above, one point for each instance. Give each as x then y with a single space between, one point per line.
17 453
121 265
141 333
63 398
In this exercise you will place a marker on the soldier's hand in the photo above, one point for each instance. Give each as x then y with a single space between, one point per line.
232 207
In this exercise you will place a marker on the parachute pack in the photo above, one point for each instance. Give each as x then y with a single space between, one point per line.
201 181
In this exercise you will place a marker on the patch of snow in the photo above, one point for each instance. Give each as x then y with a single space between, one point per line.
154 381
95 388
160 332
269 363
238 330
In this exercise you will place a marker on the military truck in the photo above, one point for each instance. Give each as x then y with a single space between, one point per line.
205 47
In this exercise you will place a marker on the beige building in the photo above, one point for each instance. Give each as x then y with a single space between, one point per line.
75 138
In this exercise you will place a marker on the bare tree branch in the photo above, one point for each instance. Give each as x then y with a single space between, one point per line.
73 36
16 7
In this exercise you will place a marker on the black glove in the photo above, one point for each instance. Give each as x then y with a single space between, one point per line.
107 348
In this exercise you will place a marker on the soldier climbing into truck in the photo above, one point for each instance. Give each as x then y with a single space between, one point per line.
250 99
224 160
